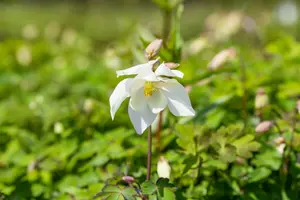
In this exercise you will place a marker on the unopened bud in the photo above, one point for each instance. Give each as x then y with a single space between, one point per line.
58 128
221 58
88 105
24 55
30 31
171 65
153 48
298 106
261 99
280 148
279 140
264 126
128 179
240 160
163 168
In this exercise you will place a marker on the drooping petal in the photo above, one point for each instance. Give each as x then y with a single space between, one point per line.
136 69
163 70
138 101
178 100
141 120
119 95
157 102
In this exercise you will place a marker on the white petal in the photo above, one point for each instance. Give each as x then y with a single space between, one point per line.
141 120
119 95
157 102
163 70
136 69
178 99
147 75
138 101
136 84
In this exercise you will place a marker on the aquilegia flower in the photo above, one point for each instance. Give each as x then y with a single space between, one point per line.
150 92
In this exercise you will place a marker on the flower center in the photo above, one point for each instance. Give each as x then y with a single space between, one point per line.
149 88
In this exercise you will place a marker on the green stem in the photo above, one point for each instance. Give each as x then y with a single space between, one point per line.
149 153
167 25
244 88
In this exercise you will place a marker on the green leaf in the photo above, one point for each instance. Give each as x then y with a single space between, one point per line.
167 194
164 186
116 193
269 157
189 162
259 174
227 153
148 187
186 138
245 146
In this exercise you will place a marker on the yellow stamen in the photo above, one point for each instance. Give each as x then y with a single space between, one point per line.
149 88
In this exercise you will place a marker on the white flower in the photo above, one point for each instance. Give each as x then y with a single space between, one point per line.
150 92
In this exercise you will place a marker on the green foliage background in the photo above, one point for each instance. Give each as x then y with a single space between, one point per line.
57 139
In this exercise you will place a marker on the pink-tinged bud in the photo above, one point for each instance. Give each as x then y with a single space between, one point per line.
128 179
261 99
298 106
240 160
279 140
163 168
280 148
171 65
153 48
264 126
221 58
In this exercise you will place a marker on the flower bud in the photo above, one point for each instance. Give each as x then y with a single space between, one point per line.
52 30
264 126
171 65
128 179
153 49
261 99
279 140
280 148
58 128
30 31
240 160
24 55
221 58
88 105
163 168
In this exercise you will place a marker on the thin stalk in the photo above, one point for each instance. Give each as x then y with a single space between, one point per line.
167 25
278 128
149 153
243 80
158 133
292 136
287 153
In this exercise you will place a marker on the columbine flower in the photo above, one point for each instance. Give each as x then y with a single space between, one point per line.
150 92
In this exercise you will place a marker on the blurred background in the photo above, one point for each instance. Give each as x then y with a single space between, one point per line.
57 70
106 21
